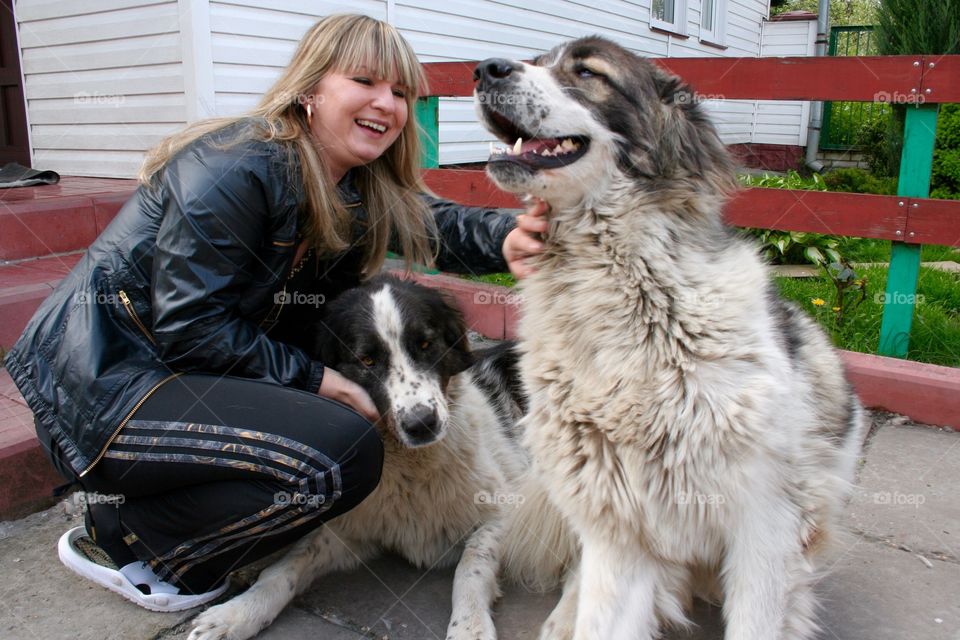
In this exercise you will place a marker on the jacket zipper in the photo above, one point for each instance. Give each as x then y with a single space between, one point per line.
125 420
133 315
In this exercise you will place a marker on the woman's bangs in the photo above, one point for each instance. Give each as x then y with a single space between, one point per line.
382 55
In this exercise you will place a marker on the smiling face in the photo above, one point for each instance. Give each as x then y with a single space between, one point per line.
356 118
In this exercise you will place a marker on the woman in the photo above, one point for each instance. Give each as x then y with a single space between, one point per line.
155 370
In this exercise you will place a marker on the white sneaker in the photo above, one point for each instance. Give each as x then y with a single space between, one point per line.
135 582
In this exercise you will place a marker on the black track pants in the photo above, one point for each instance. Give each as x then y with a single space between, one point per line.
215 473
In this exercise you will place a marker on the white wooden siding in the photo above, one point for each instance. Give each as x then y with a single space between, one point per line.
253 40
443 30
106 79
784 121
103 81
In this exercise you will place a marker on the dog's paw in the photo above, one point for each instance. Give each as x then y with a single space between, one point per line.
556 628
227 621
475 626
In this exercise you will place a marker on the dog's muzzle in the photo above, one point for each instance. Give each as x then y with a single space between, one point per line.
506 114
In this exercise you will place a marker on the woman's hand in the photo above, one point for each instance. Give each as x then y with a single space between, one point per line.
521 244
336 387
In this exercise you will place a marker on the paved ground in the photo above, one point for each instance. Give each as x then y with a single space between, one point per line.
895 577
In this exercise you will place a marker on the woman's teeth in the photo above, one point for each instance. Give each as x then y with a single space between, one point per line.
372 125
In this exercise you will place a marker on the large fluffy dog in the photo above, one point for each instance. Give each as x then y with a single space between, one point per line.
450 456
696 431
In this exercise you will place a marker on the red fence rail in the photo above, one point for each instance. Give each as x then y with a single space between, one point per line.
908 219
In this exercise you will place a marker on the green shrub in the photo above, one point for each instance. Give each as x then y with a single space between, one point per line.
859 181
881 141
945 176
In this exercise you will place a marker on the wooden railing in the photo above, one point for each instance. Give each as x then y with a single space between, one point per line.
909 219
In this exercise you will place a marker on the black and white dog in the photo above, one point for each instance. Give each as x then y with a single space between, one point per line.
447 417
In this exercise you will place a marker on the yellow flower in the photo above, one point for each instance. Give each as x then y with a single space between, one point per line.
836 309
818 302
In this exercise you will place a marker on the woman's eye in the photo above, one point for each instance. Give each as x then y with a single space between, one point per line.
363 80
367 361
400 93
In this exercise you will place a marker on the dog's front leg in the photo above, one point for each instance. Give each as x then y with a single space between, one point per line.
617 593
475 586
757 576
563 619
244 616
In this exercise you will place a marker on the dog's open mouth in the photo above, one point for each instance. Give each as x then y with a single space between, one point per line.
533 152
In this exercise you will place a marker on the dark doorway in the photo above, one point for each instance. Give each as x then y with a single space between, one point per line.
14 143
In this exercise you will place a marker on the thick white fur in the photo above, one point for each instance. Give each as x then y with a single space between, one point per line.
431 502
668 424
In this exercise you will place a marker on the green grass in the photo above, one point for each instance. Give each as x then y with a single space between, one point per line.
934 336
870 250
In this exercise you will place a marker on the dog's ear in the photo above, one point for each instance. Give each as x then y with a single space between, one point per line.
326 346
687 142
458 357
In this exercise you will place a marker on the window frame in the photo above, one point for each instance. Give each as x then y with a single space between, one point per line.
717 36
681 18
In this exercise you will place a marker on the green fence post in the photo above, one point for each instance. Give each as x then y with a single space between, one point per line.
919 136
428 117
427 113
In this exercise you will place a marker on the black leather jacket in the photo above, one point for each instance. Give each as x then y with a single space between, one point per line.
183 280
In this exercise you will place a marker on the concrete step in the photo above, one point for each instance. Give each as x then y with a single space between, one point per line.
24 285
52 219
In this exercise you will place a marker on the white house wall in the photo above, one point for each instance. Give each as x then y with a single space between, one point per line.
91 65
103 81
785 121
252 40
447 30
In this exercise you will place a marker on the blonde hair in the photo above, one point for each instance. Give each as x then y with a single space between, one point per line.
389 186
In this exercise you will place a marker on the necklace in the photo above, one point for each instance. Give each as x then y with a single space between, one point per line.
303 261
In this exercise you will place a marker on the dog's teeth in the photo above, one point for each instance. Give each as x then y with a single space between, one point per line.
516 146
492 149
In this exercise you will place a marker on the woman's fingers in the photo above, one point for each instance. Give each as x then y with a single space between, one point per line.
336 387
524 242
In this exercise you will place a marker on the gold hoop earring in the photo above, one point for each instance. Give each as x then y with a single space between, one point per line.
310 115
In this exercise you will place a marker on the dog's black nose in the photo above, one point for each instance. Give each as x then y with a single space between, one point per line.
421 424
494 68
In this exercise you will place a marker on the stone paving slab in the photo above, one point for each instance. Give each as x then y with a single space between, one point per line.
878 588
907 493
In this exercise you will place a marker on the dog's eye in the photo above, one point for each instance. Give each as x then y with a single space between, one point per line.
367 361
425 345
584 72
